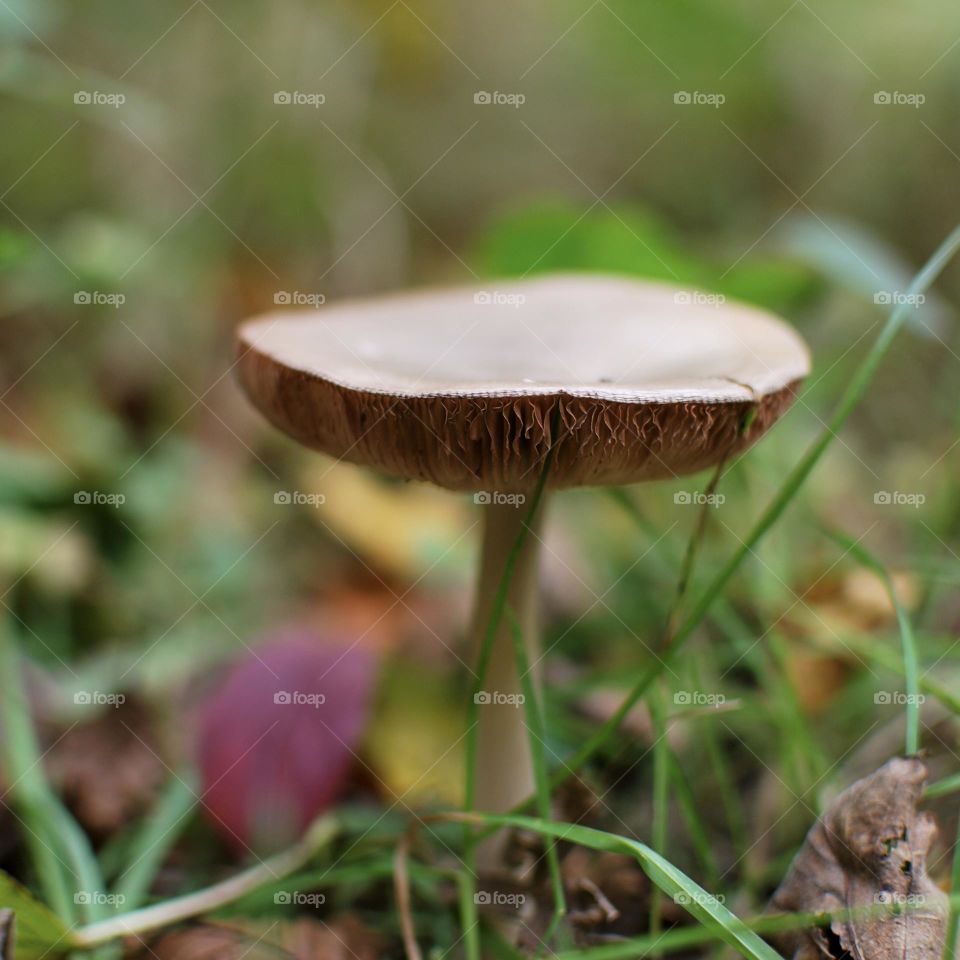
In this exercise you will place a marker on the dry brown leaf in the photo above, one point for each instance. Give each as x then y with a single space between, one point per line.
816 678
868 851
108 770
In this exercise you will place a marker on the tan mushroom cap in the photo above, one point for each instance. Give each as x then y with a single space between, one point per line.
462 387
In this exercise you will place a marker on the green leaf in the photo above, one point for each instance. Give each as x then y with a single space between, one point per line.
778 285
707 908
557 237
39 932
6 934
630 240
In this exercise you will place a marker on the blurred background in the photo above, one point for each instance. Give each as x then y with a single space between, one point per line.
170 169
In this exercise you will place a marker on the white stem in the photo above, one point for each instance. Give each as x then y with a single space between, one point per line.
504 764
212 898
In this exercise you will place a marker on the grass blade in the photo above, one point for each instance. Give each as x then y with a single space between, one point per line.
953 921
851 396
707 908
59 849
911 669
537 739
941 788
153 840
661 791
687 803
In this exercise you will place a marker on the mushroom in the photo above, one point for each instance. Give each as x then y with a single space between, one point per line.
617 380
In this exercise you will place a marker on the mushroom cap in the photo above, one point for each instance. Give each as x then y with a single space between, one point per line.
468 389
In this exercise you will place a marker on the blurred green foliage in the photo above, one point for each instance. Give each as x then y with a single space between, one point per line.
199 199
633 242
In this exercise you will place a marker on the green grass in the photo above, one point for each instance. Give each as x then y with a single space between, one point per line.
537 735
789 489
63 862
911 669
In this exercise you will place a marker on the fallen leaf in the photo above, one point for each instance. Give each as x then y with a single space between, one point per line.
866 853
108 770
39 932
278 735
816 678
400 529
414 743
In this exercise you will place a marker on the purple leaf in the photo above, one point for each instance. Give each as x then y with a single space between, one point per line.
278 735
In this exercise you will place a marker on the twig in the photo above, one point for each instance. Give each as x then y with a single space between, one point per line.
401 886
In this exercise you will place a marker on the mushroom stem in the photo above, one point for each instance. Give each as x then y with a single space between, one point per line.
504 764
